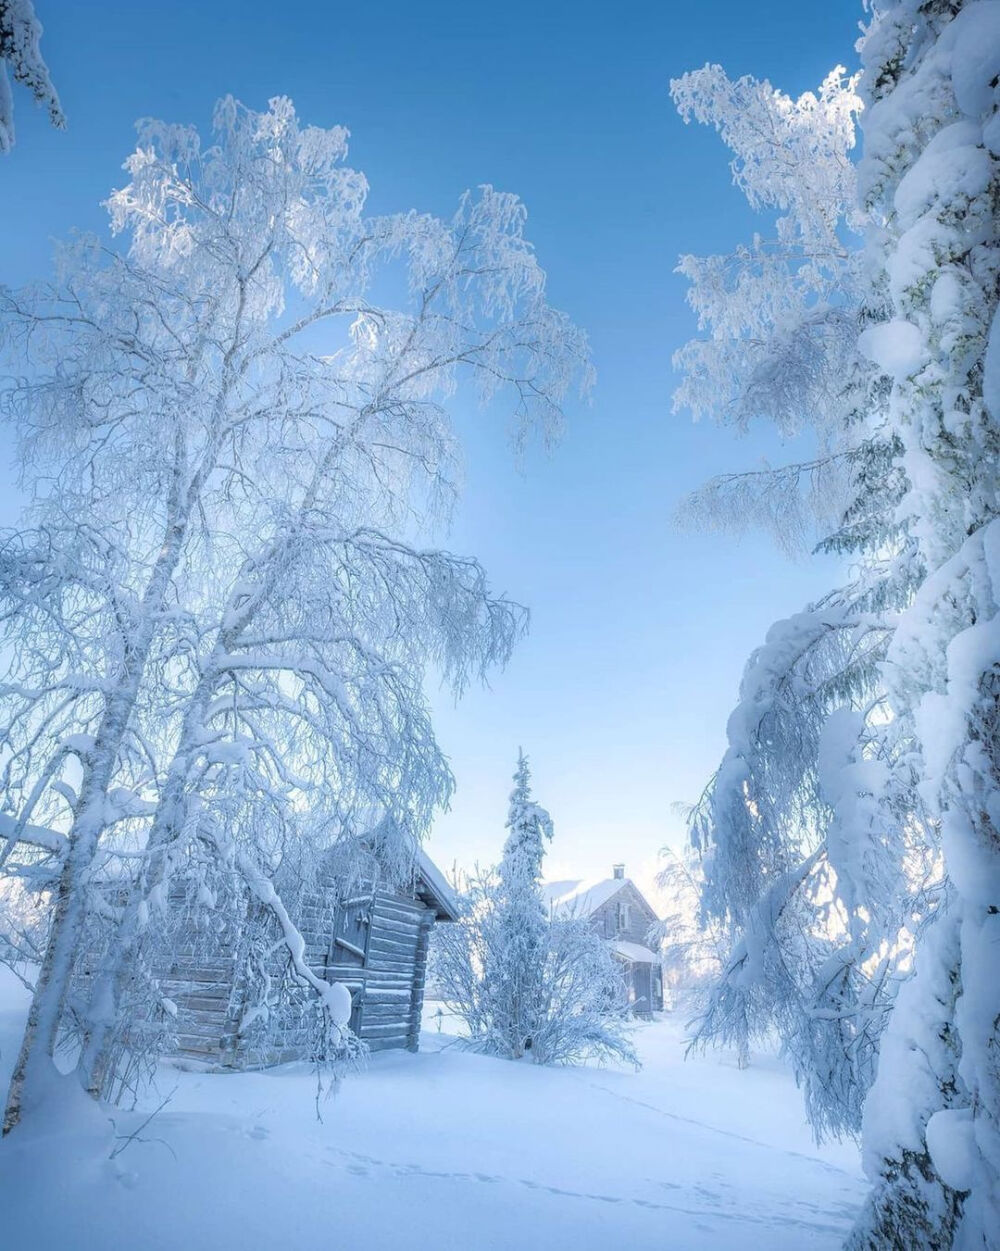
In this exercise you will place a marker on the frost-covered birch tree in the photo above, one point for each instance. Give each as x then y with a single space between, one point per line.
21 59
930 175
691 951
220 607
779 316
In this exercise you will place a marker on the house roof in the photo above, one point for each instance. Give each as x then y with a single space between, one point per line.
583 898
634 953
433 883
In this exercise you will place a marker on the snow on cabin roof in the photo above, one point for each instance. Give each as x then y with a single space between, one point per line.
436 885
581 898
634 953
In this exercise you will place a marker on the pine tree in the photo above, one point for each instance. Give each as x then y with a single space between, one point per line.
514 969
525 984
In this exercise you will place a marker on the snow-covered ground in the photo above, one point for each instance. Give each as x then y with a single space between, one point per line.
443 1150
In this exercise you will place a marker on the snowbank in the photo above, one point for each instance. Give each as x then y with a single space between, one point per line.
443 1150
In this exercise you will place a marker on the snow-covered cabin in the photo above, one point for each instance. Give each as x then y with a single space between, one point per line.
374 942
621 914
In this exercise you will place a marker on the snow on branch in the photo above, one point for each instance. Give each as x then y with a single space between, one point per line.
21 56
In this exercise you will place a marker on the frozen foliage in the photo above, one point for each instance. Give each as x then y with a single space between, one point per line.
817 856
512 966
780 316
912 1205
521 983
220 607
809 888
692 948
21 59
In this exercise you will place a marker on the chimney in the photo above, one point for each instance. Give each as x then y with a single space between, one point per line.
618 870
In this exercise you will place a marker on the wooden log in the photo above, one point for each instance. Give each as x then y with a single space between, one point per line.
380 963
195 1003
392 1029
394 912
384 1014
386 1044
417 990
388 926
392 947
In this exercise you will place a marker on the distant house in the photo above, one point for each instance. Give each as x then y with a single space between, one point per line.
375 943
619 912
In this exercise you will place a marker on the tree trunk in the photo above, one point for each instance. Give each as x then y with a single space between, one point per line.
34 1062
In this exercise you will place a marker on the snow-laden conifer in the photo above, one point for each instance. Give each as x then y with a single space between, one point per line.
522 983
931 177
513 966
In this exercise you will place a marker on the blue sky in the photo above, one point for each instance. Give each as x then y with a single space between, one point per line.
639 633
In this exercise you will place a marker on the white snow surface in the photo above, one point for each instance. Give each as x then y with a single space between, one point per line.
445 1149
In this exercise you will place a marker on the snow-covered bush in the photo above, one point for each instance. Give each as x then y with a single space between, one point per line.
521 983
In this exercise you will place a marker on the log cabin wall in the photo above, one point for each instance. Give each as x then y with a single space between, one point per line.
391 998
374 942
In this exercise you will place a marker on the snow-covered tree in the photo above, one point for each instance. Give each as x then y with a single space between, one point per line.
930 175
521 983
692 952
802 832
804 898
877 767
512 968
219 608
780 315
21 59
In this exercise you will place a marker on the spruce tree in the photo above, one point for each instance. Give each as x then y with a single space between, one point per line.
515 964
930 177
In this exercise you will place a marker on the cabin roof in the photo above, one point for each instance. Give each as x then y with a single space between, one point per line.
433 884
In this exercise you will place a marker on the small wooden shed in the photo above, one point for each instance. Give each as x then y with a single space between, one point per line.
374 942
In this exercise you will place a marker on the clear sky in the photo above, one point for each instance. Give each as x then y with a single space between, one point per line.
620 695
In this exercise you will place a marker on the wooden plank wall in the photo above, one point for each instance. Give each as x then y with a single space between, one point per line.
395 970
203 993
386 976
